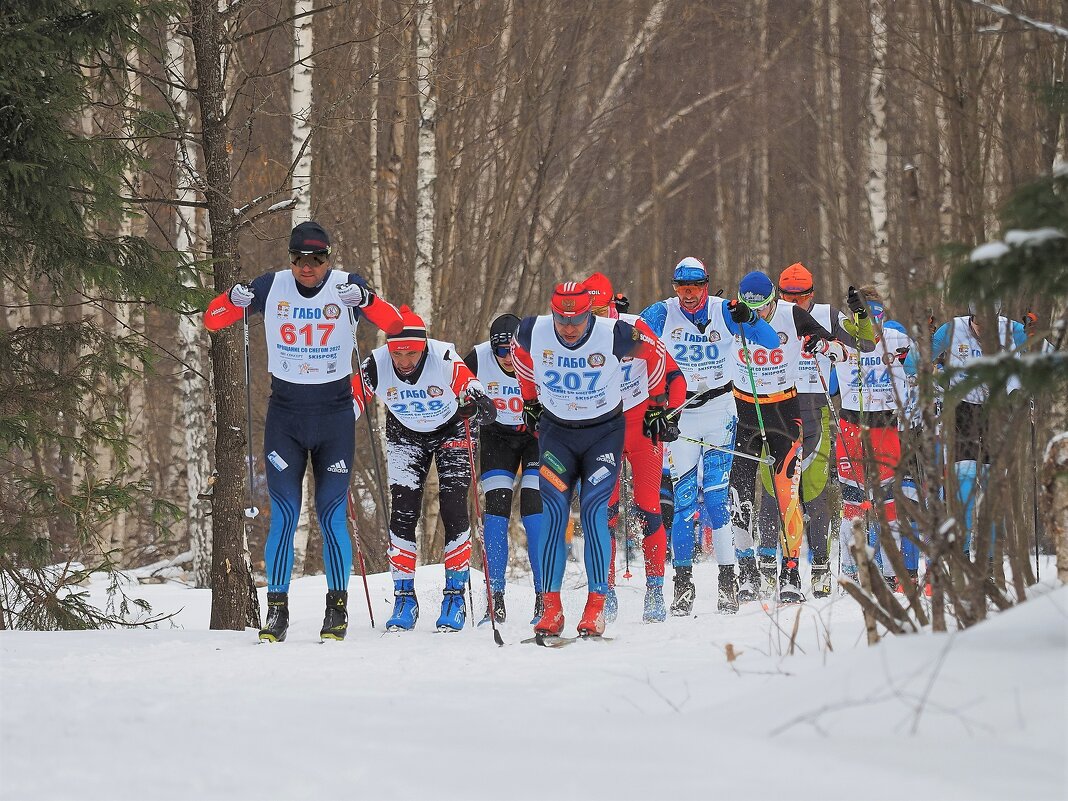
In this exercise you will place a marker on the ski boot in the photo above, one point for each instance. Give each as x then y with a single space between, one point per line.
453 606
611 606
685 592
727 603
336 622
277 618
748 580
551 622
592 623
655 610
769 575
499 611
405 606
821 579
539 607
790 583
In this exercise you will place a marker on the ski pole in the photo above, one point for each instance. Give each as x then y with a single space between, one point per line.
250 511
623 518
478 532
367 416
359 554
740 454
700 390
1034 478
764 440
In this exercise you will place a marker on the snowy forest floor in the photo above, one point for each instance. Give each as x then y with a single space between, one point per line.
181 712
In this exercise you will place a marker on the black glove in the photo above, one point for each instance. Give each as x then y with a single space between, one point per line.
901 354
740 313
477 405
532 410
656 424
622 303
856 303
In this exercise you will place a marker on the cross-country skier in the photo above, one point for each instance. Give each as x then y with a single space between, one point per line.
765 388
568 364
814 374
956 344
646 457
309 328
699 333
432 397
875 390
506 449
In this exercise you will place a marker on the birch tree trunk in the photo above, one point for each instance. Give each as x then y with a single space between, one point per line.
876 185
300 108
423 291
194 408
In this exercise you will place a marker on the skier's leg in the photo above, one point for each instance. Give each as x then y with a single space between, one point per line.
331 458
286 461
530 508
453 461
557 475
684 456
407 466
849 458
599 468
721 429
498 464
815 472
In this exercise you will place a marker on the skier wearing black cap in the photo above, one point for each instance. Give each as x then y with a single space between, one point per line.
310 415
506 448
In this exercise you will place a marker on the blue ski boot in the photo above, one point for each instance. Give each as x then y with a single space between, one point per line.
405 606
453 607
655 608
611 606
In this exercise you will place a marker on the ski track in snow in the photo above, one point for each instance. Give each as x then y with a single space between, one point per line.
183 712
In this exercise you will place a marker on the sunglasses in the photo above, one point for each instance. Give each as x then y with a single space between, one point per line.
680 284
502 351
791 295
309 260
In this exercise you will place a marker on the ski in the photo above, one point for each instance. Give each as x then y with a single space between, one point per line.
552 641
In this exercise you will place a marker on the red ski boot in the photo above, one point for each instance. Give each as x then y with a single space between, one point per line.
592 623
551 622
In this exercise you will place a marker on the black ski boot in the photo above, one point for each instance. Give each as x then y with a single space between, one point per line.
685 592
499 612
821 580
728 591
539 607
277 618
748 580
336 622
790 583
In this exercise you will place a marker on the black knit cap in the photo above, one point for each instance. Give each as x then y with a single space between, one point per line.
308 238
503 329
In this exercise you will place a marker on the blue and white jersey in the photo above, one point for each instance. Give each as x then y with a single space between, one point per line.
429 401
877 381
309 340
502 388
702 343
580 383
958 341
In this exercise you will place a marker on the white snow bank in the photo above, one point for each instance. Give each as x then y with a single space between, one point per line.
657 713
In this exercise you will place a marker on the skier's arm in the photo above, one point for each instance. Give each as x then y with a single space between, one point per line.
522 362
223 312
471 360
676 383
629 341
758 331
364 383
463 379
817 339
940 341
655 316
380 312
857 334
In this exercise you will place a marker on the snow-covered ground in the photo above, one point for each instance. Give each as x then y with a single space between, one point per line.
185 713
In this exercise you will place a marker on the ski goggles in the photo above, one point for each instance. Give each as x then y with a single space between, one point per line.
876 309
792 296
502 351
678 284
754 302
575 320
